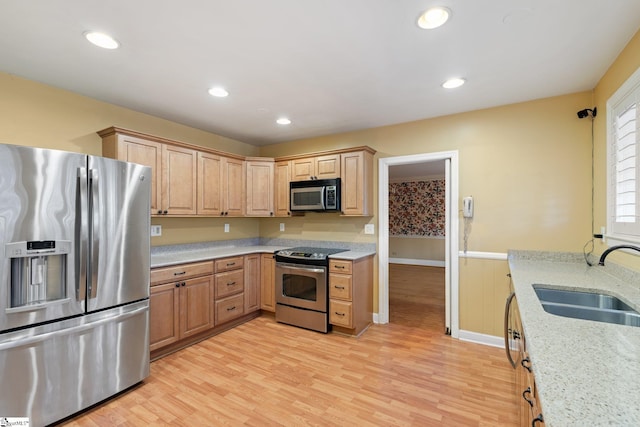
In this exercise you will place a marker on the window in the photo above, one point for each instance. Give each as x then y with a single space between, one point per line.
623 166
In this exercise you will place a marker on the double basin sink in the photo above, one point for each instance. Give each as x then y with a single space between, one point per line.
586 305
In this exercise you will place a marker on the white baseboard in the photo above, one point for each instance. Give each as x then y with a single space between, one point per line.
478 338
375 318
410 261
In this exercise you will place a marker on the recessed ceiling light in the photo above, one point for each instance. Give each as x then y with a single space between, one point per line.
453 83
102 40
283 121
434 18
219 92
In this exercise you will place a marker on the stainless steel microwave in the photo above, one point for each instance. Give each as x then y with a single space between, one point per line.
318 195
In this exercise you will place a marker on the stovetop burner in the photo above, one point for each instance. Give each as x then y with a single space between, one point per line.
311 253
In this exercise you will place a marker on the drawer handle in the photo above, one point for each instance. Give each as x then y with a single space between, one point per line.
339 314
229 264
524 396
231 308
180 274
526 364
231 283
339 266
536 420
338 287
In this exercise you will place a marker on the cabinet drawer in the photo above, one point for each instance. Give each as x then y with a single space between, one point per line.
341 313
229 308
340 286
229 283
340 266
227 264
180 272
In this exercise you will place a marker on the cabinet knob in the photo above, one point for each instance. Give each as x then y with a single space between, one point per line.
165 212
178 285
159 212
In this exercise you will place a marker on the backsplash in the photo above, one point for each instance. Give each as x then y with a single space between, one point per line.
417 208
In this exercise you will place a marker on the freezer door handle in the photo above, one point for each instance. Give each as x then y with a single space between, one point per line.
29 341
82 238
95 232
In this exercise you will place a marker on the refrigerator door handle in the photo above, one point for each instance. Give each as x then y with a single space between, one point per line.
82 237
94 231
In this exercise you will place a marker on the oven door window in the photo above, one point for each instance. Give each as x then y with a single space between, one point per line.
300 287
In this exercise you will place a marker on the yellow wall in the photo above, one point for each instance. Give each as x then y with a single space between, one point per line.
37 115
623 67
527 166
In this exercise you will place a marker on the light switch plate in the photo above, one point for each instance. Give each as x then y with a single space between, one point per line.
369 229
156 230
226 228
282 226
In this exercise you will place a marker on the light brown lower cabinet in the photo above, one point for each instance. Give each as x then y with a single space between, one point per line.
194 301
180 303
351 294
267 283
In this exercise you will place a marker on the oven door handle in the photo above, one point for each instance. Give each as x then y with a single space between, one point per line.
295 267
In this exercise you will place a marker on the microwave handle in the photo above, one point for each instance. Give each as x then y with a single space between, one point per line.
322 196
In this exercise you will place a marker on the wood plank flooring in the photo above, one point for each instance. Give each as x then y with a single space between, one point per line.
262 373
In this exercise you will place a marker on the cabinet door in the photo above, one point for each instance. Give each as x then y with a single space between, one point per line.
147 153
303 169
164 317
233 187
267 283
196 298
282 174
209 184
251 283
328 166
260 176
357 183
179 180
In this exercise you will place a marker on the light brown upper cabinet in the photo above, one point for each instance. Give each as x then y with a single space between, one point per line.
220 185
260 187
233 186
137 150
357 183
282 179
317 167
179 166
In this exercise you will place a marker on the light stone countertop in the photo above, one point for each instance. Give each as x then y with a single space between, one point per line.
587 373
181 256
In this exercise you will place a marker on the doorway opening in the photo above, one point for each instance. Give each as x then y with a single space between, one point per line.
449 162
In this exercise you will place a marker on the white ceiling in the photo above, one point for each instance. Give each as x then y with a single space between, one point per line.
329 65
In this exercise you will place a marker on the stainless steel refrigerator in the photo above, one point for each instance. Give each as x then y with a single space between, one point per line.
74 280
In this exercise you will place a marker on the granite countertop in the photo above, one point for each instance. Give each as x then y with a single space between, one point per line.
587 373
168 256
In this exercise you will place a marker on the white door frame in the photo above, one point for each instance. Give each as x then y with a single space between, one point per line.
451 230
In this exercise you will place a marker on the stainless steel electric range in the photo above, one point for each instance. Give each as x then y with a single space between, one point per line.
302 287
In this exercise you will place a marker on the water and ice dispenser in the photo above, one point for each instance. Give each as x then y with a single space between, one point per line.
38 271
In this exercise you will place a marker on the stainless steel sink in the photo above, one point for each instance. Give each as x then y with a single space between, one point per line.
585 299
586 305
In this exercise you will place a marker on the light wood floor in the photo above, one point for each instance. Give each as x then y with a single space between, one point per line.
262 373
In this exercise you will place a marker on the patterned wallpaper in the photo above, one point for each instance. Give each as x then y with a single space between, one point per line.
417 208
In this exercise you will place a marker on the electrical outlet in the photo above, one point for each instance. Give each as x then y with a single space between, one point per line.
226 228
282 226
369 229
156 230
